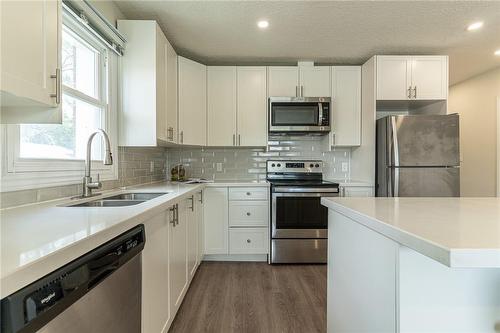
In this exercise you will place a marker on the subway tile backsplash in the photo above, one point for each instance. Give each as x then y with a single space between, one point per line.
249 164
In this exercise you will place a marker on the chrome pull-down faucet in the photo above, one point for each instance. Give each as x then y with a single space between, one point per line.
88 183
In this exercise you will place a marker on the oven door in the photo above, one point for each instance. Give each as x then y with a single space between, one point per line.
304 116
299 215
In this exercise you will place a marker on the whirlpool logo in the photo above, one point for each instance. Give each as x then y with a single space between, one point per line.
48 298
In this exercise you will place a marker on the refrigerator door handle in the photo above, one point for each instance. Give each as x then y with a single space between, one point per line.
395 148
396 182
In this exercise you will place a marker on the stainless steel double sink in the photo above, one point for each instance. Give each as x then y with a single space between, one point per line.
120 200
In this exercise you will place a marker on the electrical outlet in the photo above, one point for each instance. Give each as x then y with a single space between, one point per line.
345 167
219 167
151 166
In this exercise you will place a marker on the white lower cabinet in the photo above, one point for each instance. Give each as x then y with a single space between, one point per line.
192 236
356 191
178 257
236 221
215 220
248 240
155 292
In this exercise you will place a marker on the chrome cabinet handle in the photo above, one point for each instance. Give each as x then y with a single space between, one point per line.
248 193
234 139
301 91
333 139
192 203
409 92
415 92
249 241
296 91
248 214
201 196
57 95
239 139
182 136
172 221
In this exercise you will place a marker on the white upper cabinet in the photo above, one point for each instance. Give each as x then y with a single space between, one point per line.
429 76
30 61
251 106
148 85
346 106
221 105
412 77
293 81
192 101
283 81
171 93
314 81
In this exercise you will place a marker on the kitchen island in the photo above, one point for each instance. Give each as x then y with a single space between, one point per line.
413 264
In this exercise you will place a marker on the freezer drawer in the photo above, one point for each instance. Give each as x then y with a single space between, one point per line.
423 182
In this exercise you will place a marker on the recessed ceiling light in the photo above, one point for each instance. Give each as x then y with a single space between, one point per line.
497 52
475 26
263 24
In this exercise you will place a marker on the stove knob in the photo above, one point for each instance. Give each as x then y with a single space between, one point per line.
317 165
279 165
311 165
273 165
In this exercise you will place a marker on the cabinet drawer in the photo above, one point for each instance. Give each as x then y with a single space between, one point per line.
248 193
248 241
248 213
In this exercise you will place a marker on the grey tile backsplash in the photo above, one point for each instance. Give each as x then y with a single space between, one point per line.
134 168
249 164
146 165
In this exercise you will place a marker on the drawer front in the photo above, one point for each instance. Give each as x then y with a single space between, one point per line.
248 213
248 193
248 241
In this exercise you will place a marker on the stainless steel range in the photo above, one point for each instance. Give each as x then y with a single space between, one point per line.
298 220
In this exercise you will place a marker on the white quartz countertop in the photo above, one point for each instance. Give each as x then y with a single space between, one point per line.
37 239
458 232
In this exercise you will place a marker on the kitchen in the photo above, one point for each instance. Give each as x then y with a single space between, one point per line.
226 166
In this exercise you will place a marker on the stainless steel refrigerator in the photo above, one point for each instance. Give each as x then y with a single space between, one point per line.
418 156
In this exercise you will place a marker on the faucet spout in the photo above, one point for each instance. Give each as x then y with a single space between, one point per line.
88 184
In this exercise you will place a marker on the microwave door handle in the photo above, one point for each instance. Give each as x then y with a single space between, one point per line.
320 114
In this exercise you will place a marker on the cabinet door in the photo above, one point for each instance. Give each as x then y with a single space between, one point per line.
346 105
315 81
161 85
252 106
178 258
155 293
199 206
215 220
393 79
221 105
429 76
283 81
30 43
192 236
171 88
192 102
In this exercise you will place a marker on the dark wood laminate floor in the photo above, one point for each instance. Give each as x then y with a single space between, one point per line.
254 297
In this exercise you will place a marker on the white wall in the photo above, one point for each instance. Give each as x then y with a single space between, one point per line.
108 9
476 101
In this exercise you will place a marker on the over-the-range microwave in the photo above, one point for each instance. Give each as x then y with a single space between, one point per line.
299 115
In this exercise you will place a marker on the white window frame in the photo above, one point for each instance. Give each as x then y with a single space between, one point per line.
29 173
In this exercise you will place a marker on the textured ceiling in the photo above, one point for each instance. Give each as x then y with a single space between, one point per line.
344 32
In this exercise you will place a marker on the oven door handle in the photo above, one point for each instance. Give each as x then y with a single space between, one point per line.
305 190
311 195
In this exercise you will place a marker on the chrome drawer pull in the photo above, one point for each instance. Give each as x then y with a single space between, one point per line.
249 241
248 214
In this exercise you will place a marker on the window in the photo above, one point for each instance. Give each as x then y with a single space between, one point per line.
41 155
83 105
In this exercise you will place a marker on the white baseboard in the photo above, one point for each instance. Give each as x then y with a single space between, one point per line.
235 257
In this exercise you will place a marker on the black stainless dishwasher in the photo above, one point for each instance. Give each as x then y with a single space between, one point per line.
98 292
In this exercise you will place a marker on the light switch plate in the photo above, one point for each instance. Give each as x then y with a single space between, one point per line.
219 166
345 167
